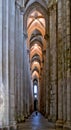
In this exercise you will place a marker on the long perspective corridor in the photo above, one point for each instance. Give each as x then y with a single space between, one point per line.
35 64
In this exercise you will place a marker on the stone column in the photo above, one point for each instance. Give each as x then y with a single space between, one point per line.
11 62
47 40
1 42
20 63
47 77
53 64
28 84
31 96
1 97
27 80
16 57
22 60
44 79
59 123
67 126
18 60
64 64
25 74
41 92
5 63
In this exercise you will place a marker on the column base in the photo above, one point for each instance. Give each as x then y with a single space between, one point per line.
67 126
59 125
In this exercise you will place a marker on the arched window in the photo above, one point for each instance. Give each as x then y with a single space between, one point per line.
35 91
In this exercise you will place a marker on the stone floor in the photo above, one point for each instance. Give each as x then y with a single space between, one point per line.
36 122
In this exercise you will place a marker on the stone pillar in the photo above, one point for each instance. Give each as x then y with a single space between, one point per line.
5 60
11 63
25 74
16 57
47 44
1 42
67 126
64 63
41 92
31 96
22 60
27 80
28 84
19 62
53 64
1 96
47 79
59 123
44 79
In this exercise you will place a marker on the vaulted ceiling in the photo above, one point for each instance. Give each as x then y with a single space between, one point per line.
36 30
29 2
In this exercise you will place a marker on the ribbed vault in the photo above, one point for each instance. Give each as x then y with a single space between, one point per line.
35 24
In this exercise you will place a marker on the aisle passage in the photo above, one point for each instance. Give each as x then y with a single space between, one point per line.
36 122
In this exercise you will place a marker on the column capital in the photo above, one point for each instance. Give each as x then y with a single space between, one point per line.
21 8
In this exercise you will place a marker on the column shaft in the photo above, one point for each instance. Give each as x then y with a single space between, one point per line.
59 123
11 62
67 126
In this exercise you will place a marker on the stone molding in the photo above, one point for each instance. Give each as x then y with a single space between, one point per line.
19 6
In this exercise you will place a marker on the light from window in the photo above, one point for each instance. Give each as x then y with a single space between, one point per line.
35 89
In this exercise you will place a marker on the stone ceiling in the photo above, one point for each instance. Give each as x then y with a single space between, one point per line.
35 12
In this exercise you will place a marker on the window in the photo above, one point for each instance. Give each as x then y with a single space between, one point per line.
35 91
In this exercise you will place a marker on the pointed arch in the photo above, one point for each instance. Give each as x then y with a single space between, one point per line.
35 6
